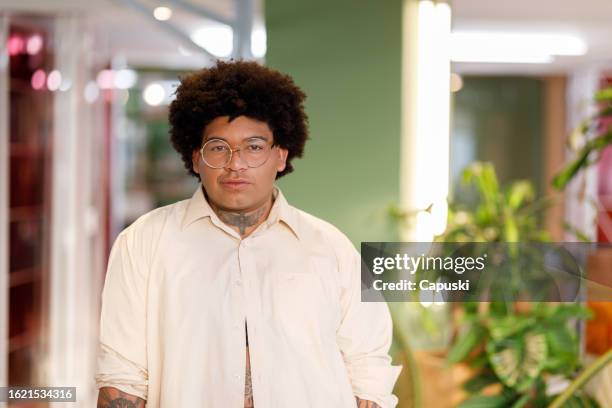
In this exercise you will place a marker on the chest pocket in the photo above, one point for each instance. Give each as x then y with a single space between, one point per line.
305 302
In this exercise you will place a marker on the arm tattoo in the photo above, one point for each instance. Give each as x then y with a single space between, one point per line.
365 403
110 397
248 387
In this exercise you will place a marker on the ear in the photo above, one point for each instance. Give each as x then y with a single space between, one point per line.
195 160
282 159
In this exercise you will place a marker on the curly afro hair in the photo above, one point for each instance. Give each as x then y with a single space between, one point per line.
238 88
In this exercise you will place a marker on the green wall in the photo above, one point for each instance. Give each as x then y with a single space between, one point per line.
346 56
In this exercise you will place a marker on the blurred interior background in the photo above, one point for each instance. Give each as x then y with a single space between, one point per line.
403 96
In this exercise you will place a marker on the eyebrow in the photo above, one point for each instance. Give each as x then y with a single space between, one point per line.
208 138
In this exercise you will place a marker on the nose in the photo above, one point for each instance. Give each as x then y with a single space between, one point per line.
236 162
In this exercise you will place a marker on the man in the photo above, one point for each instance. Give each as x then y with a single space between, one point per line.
234 298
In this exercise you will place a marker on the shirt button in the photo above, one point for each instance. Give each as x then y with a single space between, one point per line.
238 282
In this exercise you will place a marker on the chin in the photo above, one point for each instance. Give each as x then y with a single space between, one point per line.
235 203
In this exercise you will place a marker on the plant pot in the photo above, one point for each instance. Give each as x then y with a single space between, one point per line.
440 385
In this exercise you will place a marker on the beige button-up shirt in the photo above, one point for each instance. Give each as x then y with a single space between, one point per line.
181 284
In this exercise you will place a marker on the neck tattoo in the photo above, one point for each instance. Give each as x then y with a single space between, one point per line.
240 220
237 219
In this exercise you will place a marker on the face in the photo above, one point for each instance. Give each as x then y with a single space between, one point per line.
237 187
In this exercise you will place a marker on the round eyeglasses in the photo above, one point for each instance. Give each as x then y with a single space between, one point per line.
217 153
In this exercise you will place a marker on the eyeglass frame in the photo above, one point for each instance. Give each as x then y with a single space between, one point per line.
272 145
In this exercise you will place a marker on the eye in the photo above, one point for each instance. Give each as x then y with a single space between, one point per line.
255 147
216 148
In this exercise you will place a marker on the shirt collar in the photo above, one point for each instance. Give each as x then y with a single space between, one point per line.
282 211
198 207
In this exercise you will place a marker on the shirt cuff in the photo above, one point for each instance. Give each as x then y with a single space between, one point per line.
118 372
376 384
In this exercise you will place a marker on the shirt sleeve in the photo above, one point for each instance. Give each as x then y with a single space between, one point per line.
121 360
364 337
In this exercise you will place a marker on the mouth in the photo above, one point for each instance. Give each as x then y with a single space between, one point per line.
235 184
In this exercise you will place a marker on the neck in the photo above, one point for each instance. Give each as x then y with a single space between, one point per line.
243 222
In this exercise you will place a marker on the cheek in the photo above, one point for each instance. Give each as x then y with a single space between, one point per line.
208 177
264 176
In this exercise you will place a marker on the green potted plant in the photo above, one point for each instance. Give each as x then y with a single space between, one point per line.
586 144
512 348
588 139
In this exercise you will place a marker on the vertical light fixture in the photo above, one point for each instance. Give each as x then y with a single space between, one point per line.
4 201
426 117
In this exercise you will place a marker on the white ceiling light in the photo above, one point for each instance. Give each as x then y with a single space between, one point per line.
258 42
456 82
54 80
34 44
125 78
216 39
105 79
91 92
513 47
66 84
154 94
162 13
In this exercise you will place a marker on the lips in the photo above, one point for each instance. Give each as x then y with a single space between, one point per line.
235 183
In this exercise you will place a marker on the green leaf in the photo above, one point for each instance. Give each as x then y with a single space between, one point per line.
605 112
395 212
489 187
482 174
567 173
581 161
579 133
519 193
521 402
563 312
580 400
511 231
519 360
478 361
480 381
577 233
604 95
563 350
561 339
506 326
577 383
468 339
499 308
601 141
485 401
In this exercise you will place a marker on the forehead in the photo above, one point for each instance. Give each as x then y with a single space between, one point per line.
240 128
